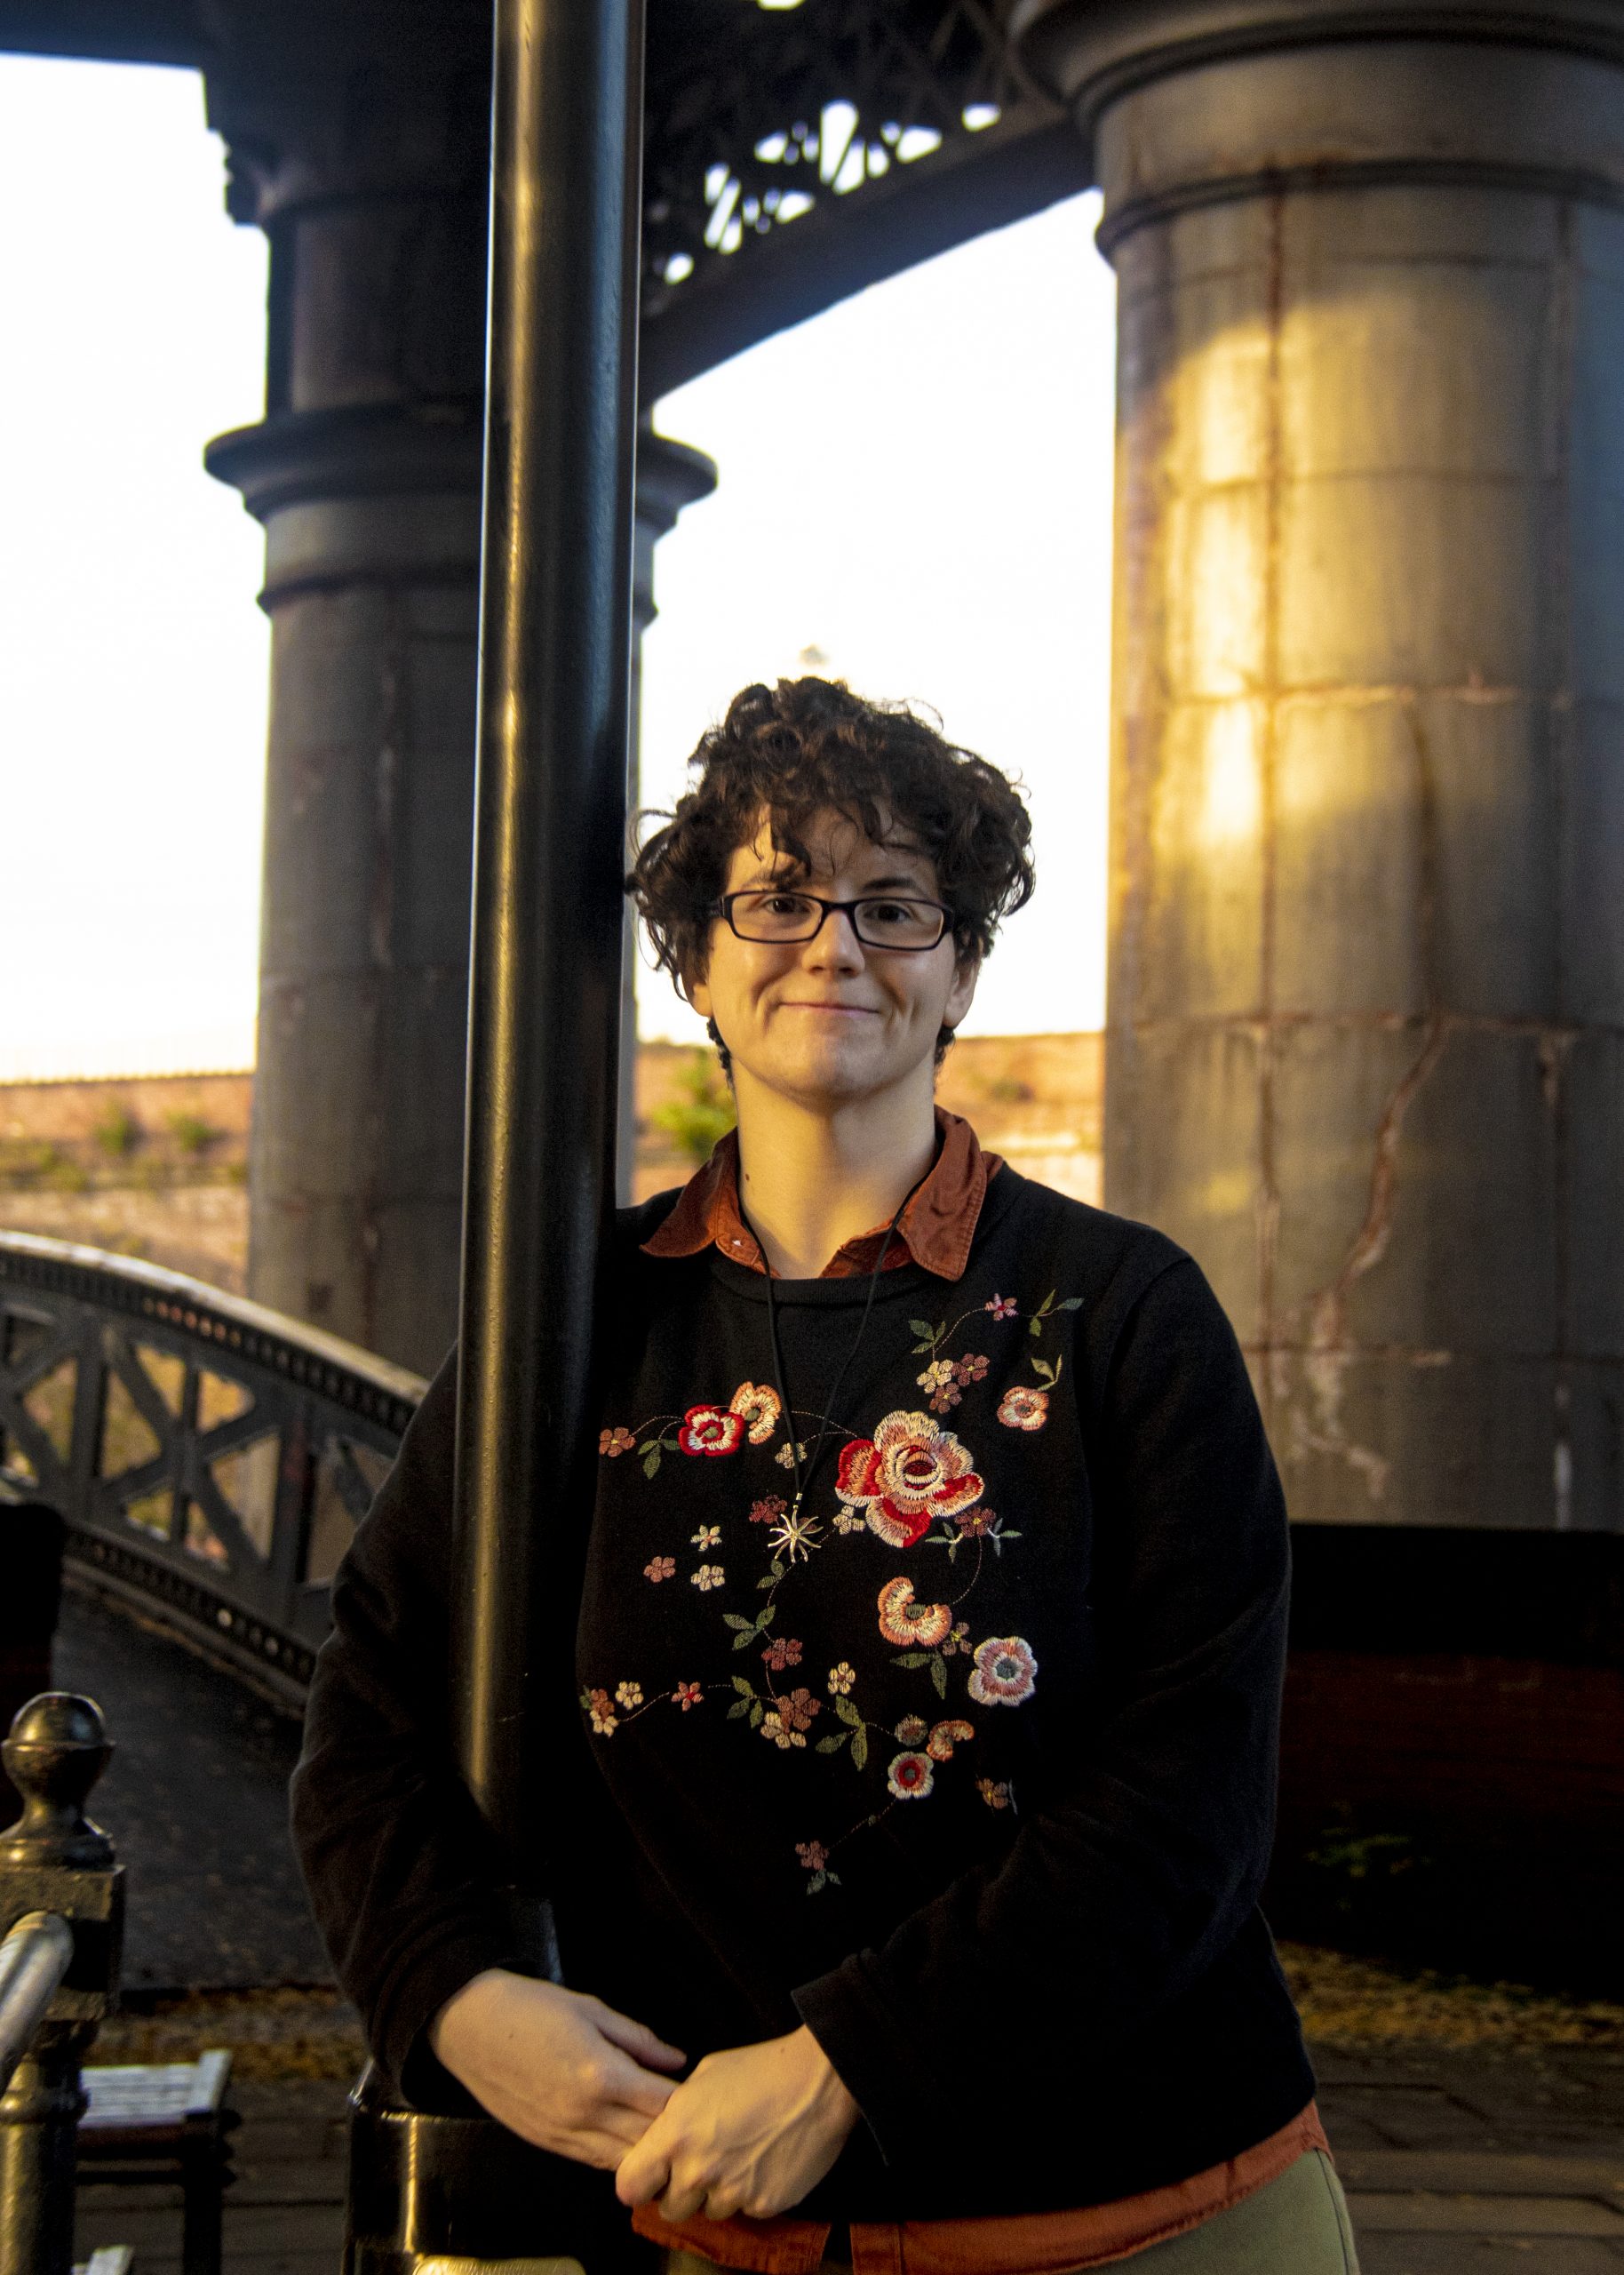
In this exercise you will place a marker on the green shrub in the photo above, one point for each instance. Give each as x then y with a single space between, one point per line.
115 1130
702 1113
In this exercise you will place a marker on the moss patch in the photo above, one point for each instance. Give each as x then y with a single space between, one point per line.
1361 2002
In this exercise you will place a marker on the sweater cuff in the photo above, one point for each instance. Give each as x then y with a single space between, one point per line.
847 2016
419 1986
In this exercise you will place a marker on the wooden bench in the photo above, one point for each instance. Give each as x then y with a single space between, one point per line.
165 2120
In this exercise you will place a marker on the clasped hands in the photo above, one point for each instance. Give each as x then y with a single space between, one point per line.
751 2130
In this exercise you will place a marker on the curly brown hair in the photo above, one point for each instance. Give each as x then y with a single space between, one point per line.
808 746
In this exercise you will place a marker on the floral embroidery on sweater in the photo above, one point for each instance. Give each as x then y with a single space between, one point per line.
912 1483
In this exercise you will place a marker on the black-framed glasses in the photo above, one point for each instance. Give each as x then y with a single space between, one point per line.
783 914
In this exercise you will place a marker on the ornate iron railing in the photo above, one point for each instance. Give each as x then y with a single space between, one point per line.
211 1458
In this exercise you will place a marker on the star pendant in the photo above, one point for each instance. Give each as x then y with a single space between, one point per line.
794 1535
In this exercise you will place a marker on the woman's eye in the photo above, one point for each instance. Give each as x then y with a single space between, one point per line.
887 912
784 904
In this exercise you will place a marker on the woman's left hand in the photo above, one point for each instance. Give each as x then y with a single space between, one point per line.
751 2131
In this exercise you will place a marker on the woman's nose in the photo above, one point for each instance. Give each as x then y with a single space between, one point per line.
835 944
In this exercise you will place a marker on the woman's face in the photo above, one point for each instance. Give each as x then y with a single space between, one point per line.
830 1021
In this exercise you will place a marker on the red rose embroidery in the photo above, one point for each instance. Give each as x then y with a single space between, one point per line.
710 1430
907 1474
911 1776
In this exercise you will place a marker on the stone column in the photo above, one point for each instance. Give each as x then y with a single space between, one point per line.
370 180
1366 980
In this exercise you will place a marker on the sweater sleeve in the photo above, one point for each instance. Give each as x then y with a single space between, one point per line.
1138 1863
397 1860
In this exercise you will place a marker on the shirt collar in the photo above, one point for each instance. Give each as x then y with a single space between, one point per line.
934 1230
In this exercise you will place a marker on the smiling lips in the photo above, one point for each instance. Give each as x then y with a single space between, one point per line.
851 1011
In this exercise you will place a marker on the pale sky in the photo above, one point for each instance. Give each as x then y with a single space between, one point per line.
918 483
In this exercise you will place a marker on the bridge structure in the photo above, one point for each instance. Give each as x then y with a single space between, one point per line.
1366 1018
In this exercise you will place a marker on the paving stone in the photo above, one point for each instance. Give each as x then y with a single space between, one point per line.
1384 2254
1423 2211
1480 2172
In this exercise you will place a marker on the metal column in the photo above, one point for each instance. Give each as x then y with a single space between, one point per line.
550 823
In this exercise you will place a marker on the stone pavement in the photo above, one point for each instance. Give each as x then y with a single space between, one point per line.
1461 2162
1456 2163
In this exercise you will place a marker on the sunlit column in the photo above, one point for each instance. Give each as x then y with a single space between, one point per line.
1366 985
370 180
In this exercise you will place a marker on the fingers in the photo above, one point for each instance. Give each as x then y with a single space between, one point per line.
640 2175
638 2039
622 2081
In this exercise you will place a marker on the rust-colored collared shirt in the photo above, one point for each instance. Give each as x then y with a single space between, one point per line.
1033 2243
934 1231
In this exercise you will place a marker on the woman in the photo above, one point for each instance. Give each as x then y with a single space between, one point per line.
926 1638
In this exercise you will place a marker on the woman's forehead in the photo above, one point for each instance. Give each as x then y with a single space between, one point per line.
835 842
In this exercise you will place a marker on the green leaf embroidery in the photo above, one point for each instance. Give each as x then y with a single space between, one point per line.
818 1880
938 1674
756 1713
765 1616
832 1743
859 1749
1043 1370
920 1347
742 1682
1034 1326
739 1706
911 1659
1072 1303
651 1461
833 1879
844 1708
742 1642
924 1327
737 1619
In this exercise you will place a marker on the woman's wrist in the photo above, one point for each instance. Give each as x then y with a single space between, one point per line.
832 2101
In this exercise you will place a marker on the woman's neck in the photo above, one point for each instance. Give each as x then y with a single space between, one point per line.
810 1179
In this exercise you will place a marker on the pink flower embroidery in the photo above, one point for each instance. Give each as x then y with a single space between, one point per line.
782 1651
812 1853
911 1776
1004 1671
1002 1307
994 1791
659 1567
943 1400
970 1370
939 1745
769 1509
903 1621
686 1695
1023 1409
906 1475
710 1430
759 1409
615 1442
911 1730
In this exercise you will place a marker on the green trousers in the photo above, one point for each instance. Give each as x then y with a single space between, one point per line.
1296 2225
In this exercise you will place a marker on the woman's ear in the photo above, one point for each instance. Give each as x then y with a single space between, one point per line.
962 994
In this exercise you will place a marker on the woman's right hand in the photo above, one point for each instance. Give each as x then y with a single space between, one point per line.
559 2068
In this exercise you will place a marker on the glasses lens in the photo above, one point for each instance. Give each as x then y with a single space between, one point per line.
774 915
899 923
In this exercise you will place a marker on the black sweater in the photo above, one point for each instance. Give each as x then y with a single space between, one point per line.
975 1776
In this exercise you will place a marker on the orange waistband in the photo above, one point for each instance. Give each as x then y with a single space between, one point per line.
1027 2243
